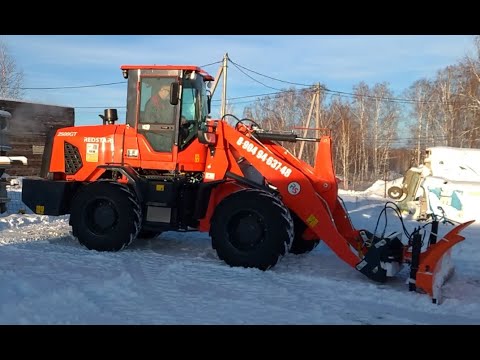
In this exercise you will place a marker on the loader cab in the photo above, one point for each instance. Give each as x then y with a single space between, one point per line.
166 105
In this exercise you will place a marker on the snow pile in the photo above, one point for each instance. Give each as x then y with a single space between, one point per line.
380 187
46 277
455 164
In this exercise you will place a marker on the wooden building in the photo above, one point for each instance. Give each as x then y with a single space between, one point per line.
28 129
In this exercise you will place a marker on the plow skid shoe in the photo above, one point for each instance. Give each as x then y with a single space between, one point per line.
435 266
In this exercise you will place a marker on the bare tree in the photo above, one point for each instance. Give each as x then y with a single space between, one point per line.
422 109
346 140
470 93
444 110
283 111
11 77
468 109
383 127
360 112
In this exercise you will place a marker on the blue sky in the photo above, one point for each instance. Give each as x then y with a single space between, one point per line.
339 62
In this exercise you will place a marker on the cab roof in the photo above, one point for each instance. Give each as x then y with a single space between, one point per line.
197 69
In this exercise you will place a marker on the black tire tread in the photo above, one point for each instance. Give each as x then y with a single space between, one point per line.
274 247
93 242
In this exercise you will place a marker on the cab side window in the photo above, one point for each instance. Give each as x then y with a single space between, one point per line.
155 104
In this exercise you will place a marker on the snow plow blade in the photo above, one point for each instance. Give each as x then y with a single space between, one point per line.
435 266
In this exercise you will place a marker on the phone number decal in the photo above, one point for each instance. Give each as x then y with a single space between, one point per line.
262 155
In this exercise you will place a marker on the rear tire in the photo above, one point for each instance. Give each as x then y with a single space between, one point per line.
105 216
251 228
300 245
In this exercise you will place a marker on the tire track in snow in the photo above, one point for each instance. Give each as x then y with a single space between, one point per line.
179 279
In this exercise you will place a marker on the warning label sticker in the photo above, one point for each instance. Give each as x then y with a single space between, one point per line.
92 153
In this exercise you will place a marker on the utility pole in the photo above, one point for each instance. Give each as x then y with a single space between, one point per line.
224 92
317 118
307 124
315 102
222 71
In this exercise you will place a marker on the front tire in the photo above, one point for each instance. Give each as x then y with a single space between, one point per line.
251 228
105 216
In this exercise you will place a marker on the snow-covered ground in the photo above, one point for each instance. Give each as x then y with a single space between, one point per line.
46 277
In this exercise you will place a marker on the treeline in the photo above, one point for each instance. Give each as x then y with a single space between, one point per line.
377 134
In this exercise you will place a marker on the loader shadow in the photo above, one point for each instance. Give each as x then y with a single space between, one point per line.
196 246
170 243
321 263
188 245
181 251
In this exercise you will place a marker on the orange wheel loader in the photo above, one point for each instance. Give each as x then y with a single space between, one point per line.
171 167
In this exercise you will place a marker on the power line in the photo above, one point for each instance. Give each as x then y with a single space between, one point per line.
237 102
213 100
100 107
71 87
268 77
240 67
387 99
213 63
260 95
342 93
243 72
94 85
91 111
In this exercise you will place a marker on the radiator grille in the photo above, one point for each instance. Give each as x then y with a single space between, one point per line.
73 160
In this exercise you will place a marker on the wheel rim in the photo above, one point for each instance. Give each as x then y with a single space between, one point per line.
246 229
101 216
395 192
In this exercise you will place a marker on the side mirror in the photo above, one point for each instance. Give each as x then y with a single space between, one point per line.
209 101
174 93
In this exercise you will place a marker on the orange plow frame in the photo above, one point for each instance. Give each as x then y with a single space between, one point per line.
435 266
